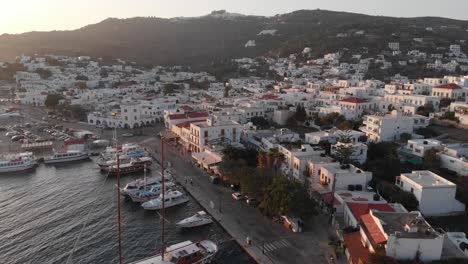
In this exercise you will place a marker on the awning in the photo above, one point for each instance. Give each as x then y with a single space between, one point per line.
206 158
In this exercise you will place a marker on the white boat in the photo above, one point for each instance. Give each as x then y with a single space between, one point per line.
67 156
185 252
199 219
171 198
19 162
150 193
140 184
128 150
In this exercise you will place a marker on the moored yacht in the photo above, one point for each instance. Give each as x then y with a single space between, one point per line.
199 219
126 151
171 198
135 165
18 162
185 252
140 184
69 155
150 193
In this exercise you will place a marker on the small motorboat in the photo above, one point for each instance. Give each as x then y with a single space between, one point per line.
171 198
199 219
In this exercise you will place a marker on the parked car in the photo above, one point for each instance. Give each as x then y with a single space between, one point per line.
237 196
11 134
17 137
251 201
215 179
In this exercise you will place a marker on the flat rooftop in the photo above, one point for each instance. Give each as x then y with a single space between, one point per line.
397 222
428 179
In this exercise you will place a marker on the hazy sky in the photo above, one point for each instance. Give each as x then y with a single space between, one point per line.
18 16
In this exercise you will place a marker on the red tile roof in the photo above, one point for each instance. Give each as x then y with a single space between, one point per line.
187 123
186 108
372 230
269 96
327 198
449 86
360 209
353 100
188 115
357 252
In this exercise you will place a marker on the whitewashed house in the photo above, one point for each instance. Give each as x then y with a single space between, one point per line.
435 194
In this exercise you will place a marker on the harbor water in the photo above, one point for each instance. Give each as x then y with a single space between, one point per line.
68 214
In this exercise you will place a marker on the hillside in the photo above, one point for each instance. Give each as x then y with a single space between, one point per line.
222 35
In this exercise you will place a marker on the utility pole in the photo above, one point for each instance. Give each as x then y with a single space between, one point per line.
332 201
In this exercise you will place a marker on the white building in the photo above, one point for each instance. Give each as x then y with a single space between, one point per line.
344 176
213 132
389 127
435 194
403 236
450 90
418 147
455 158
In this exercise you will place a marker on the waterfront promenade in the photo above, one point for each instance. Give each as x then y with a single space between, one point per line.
271 242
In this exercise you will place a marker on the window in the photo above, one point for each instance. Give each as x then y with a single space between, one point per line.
412 190
206 133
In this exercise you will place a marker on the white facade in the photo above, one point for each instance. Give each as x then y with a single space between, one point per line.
344 175
455 158
389 127
206 133
418 147
435 194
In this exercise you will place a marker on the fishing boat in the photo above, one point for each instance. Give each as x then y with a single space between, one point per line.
185 252
113 162
135 165
199 219
17 162
67 156
150 193
171 198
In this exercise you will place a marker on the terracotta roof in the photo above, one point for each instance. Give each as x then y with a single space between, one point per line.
360 209
186 108
187 123
327 198
357 252
188 115
353 100
269 96
372 230
449 86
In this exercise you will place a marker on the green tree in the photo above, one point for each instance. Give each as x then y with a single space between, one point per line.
287 197
52 101
260 122
44 73
431 159
425 110
450 116
231 169
170 88
405 137
81 78
444 102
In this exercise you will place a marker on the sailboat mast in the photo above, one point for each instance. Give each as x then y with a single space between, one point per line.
118 210
163 200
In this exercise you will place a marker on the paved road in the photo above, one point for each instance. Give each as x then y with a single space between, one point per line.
278 244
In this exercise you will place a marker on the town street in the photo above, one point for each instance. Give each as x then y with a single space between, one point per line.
278 244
